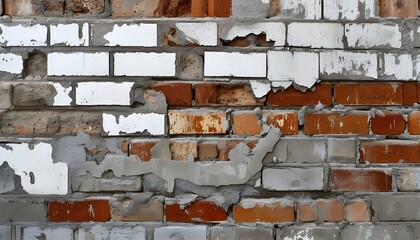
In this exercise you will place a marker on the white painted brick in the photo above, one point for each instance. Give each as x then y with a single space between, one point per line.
63 95
153 123
11 63
49 177
178 232
224 64
300 67
78 64
398 66
69 34
371 35
117 233
416 59
204 34
349 65
275 31
142 35
350 9
23 35
293 179
36 233
103 93
145 64
302 9
315 35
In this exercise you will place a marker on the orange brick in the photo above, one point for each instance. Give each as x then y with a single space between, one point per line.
388 124
398 8
79 211
245 123
251 210
414 123
142 150
389 151
200 211
183 150
224 147
287 122
197 122
410 93
215 94
368 93
330 211
219 8
334 123
306 212
207 151
177 94
360 180
292 97
199 8
357 211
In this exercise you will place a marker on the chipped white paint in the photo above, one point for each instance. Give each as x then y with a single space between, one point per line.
63 95
145 64
315 35
301 9
225 64
181 232
116 232
293 179
260 88
78 64
62 233
48 177
142 35
248 203
11 63
69 34
350 65
300 67
204 34
371 35
350 9
281 84
153 123
275 31
23 35
103 93
398 66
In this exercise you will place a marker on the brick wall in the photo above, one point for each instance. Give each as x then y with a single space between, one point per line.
209 119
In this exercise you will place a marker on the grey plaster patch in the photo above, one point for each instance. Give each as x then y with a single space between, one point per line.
341 150
9 181
91 184
304 150
33 94
98 32
191 66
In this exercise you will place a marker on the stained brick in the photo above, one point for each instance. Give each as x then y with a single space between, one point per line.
261 210
360 180
200 211
306 212
177 94
388 124
398 8
142 149
334 123
287 122
357 211
213 94
389 151
292 97
368 93
183 150
414 123
79 211
330 211
224 147
245 123
410 93
197 122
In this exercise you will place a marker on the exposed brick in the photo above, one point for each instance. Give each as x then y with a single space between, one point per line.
330 211
199 8
142 149
213 94
219 8
200 211
85 6
79 211
138 212
245 123
398 8
287 122
306 212
368 93
207 151
177 94
224 147
389 151
413 124
360 180
197 122
19 8
136 8
388 124
334 123
357 211
261 210
186 150
410 93
292 97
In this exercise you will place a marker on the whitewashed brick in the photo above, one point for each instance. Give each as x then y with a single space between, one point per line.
120 233
300 67
103 93
315 35
153 123
350 9
301 9
349 65
23 35
178 232
47 177
36 233
204 34
293 179
63 95
145 64
408 179
69 34
11 63
127 35
416 59
224 64
398 66
373 35
78 64
274 31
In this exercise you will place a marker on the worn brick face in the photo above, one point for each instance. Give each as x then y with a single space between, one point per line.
211 94
360 180
79 211
245 123
368 93
196 122
388 124
332 123
398 8
200 211
389 151
274 212
292 97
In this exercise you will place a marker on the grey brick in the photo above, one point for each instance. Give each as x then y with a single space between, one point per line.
21 211
300 150
293 179
395 208
36 233
181 233
105 232
381 231
241 233
341 150
408 179
308 231
5 95
6 232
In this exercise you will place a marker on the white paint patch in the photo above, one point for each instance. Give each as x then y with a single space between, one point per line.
260 88
63 95
11 63
145 64
142 35
49 177
204 34
371 35
69 34
180 232
300 67
302 9
281 84
293 179
225 64
120 233
398 66
62 233
103 93
78 64
21 35
275 31
153 123
349 9
315 35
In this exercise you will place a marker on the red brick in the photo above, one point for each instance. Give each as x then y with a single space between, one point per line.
199 8
79 211
219 8
142 150
334 123
398 8
306 212
357 211
197 122
200 211
410 93
245 123
239 42
389 151
368 93
292 97
287 122
413 124
177 94
330 211
215 94
388 124
260 212
224 147
360 180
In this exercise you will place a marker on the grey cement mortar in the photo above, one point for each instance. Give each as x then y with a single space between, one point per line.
35 66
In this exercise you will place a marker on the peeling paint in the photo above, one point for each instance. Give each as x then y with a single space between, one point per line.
143 34
103 93
204 34
153 123
23 35
275 31
62 98
11 63
260 88
68 34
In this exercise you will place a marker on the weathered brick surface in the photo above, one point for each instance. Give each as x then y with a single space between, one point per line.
200 211
332 123
360 180
368 94
389 151
275 211
79 211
